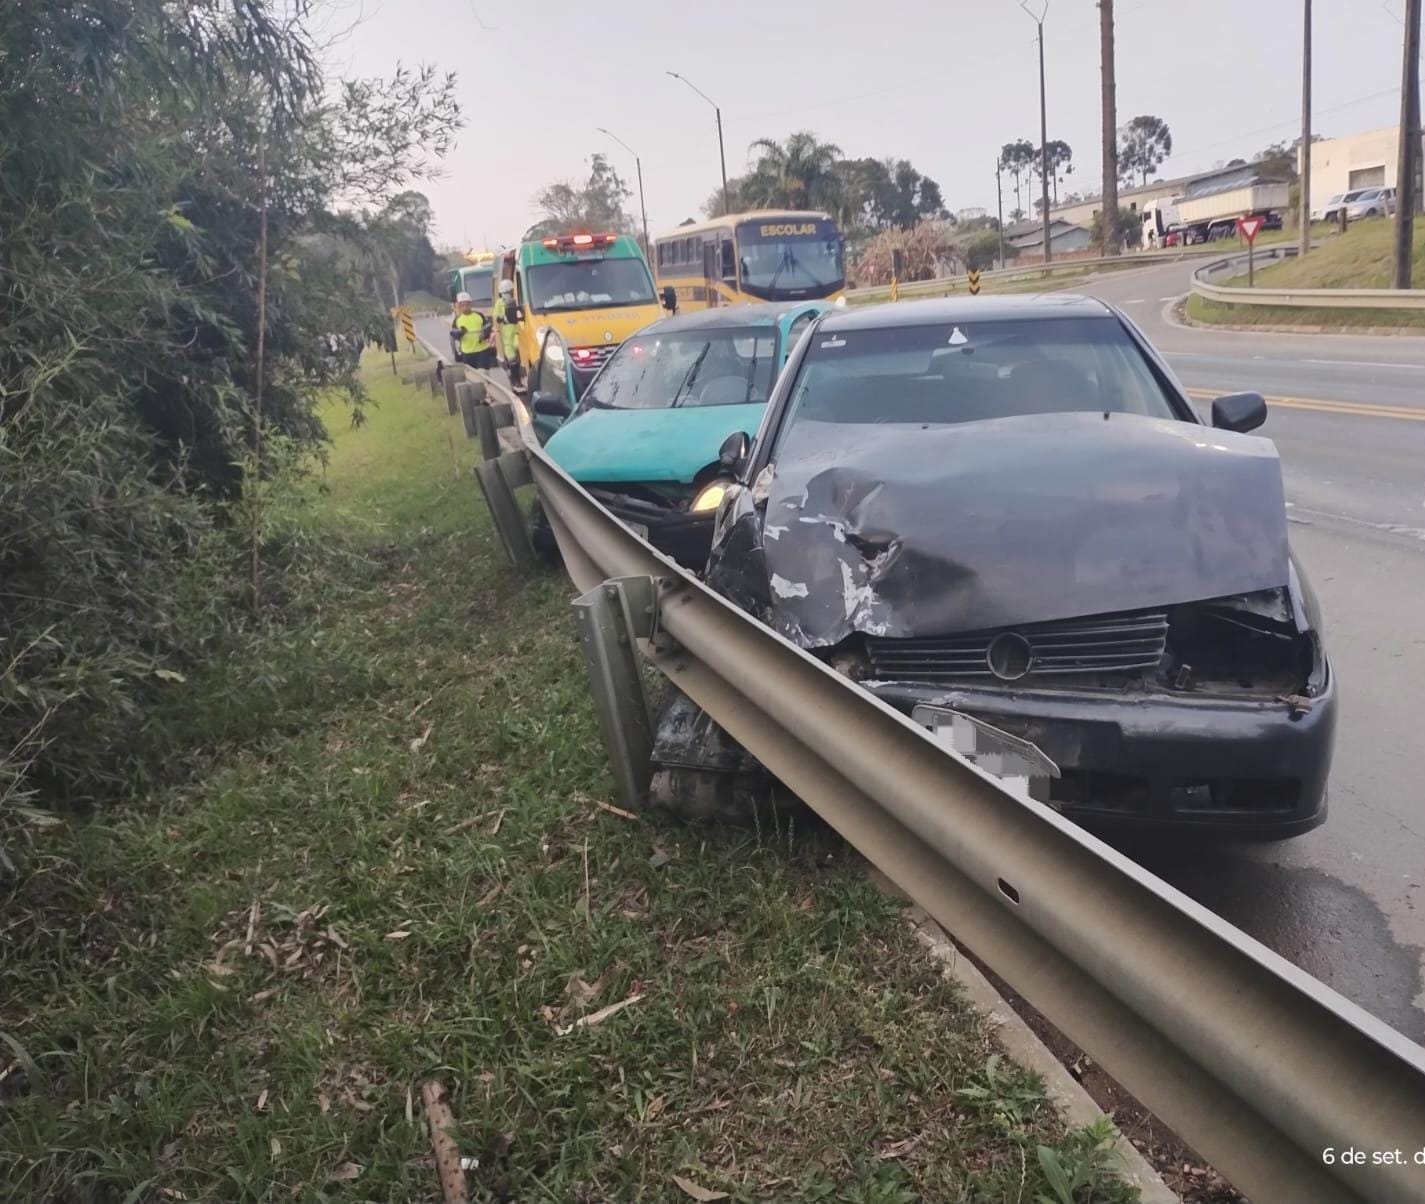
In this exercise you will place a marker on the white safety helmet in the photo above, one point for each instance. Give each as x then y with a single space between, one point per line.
507 287
462 297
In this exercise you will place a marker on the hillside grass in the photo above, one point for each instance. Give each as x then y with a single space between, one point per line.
1359 258
389 858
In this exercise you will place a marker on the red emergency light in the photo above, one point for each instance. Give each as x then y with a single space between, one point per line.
579 242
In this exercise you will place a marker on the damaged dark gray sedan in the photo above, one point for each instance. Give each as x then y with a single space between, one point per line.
1006 507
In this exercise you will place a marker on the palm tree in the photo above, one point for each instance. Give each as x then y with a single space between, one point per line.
797 174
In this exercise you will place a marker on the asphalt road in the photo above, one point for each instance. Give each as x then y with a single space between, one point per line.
1346 902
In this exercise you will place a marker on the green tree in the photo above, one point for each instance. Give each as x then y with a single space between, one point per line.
1143 144
1061 164
175 278
596 204
795 174
1017 158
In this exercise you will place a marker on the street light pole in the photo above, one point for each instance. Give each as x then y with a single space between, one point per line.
1407 199
1304 174
999 210
721 154
638 167
1043 127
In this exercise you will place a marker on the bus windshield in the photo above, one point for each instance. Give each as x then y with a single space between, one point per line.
790 259
475 281
589 283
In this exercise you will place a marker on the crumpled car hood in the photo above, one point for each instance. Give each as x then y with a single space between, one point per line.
905 530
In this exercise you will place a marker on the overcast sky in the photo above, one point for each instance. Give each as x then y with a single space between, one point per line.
943 83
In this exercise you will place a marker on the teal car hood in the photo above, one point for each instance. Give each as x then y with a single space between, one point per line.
648 445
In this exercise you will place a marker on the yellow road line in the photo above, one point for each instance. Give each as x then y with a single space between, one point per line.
1360 409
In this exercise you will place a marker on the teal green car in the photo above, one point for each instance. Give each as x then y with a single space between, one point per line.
645 437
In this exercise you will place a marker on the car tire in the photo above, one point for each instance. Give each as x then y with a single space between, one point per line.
721 799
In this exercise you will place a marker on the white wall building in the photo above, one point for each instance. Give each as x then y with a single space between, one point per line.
1367 160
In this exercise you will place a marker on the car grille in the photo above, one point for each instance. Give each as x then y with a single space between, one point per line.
596 357
1103 644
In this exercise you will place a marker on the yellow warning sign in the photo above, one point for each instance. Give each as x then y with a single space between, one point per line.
408 327
974 277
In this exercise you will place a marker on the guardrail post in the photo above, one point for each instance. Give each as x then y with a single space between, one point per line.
452 376
470 395
485 430
498 480
609 620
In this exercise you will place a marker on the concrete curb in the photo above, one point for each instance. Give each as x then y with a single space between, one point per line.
1020 1042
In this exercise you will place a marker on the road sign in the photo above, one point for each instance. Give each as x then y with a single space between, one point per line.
1247 227
408 327
897 267
974 277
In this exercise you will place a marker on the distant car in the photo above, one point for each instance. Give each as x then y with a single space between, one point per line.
1330 206
1371 202
1008 508
1349 201
645 436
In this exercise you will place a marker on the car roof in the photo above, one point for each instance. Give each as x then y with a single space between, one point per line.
938 311
769 313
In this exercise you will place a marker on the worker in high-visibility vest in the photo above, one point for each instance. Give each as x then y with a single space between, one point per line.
507 331
470 334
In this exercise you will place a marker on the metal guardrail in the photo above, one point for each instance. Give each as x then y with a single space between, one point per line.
1297 298
1254 1063
942 284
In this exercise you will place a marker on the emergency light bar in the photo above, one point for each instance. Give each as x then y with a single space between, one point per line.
579 242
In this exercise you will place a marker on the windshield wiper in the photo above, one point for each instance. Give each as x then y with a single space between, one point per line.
689 376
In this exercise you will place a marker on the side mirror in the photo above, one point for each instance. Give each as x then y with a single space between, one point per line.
670 299
551 405
1239 412
733 452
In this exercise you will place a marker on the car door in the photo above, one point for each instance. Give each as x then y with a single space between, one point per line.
551 386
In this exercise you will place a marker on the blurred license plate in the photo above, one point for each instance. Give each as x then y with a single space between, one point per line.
638 529
1021 765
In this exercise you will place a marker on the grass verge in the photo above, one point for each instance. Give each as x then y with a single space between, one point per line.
389 861
1359 258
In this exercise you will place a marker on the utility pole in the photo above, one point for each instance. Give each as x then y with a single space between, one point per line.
721 154
638 167
1043 128
1304 183
1109 104
1406 194
999 210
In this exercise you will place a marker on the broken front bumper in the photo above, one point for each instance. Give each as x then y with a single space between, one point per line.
680 534
1252 769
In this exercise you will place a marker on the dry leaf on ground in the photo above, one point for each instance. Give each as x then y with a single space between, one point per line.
689 1188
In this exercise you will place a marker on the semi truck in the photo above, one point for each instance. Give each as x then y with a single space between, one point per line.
1208 216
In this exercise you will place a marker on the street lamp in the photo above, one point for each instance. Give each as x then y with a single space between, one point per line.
726 207
638 166
1043 123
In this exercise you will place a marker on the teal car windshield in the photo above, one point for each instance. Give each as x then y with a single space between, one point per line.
688 368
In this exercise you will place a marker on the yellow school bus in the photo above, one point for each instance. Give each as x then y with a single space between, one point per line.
764 255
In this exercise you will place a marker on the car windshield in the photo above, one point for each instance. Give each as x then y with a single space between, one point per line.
687 368
971 371
1355 196
589 283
